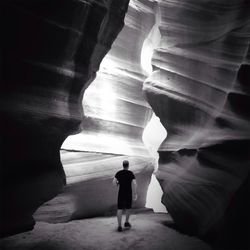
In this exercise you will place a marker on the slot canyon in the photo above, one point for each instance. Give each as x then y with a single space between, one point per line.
86 84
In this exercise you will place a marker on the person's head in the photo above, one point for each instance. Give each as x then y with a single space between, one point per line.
125 164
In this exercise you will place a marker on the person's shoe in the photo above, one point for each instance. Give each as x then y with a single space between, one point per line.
127 224
119 229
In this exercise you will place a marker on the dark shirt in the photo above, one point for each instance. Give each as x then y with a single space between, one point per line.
125 178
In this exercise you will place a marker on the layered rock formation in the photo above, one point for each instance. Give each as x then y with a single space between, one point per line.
200 90
115 115
50 53
115 110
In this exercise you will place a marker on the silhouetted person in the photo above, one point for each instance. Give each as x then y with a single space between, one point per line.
125 179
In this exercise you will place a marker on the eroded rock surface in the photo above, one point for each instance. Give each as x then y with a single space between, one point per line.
115 115
51 51
200 90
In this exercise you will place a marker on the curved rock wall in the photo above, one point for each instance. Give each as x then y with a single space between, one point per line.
115 115
115 110
50 53
200 90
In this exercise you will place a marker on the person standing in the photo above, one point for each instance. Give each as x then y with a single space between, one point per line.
126 182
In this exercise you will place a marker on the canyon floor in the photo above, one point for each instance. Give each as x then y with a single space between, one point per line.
150 231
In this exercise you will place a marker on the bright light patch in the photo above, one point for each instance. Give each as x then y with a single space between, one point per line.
101 96
108 100
146 55
153 135
154 196
148 47
107 63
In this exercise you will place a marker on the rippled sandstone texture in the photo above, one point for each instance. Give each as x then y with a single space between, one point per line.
115 115
200 90
50 53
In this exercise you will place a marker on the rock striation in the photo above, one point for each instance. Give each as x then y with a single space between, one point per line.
51 51
115 110
199 89
115 116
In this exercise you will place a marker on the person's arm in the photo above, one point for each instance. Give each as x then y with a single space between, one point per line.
134 189
115 182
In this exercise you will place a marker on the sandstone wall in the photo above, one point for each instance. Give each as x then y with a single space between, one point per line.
115 115
200 90
50 53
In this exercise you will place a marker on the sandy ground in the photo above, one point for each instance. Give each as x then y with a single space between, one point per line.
149 231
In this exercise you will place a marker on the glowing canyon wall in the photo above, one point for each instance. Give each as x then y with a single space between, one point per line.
115 115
